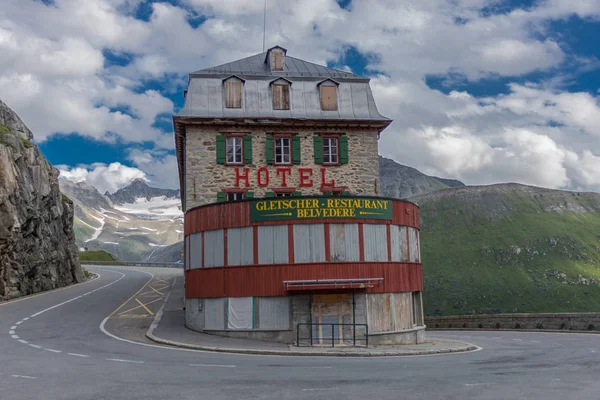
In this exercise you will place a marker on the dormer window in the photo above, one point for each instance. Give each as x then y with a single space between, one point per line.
328 92
281 94
276 58
233 92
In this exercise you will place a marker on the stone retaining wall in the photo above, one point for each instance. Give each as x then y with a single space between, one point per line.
558 321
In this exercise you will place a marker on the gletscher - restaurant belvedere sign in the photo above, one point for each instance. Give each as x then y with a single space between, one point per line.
321 207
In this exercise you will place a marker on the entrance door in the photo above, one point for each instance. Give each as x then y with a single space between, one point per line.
331 309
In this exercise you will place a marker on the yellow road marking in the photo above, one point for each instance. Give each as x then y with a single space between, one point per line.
161 293
129 299
145 308
135 308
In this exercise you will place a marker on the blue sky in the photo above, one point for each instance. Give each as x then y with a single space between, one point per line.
484 91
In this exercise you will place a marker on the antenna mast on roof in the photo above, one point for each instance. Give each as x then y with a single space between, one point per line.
264 26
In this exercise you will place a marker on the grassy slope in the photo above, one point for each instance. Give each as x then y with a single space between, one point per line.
510 248
96 255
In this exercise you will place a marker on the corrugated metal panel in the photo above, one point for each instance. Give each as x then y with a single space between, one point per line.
186 252
273 244
195 250
214 250
344 242
240 313
273 313
375 239
399 243
240 248
268 280
413 240
309 243
214 313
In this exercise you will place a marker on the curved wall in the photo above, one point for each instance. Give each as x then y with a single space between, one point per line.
227 255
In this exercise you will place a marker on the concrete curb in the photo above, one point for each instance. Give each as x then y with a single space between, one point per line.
389 353
563 331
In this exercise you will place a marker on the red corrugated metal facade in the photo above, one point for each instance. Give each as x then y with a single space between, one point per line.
268 280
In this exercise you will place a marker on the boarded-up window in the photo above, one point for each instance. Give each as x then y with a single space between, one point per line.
413 240
195 250
214 252
281 97
233 94
344 242
399 239
388 312
417 306
375 240
240 313
328 98
309 243
277 60
274 313
273 244
214 314
240 248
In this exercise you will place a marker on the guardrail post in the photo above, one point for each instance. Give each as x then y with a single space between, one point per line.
298 335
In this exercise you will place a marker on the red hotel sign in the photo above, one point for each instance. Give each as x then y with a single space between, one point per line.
263 177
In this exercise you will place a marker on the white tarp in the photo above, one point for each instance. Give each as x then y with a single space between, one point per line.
240 313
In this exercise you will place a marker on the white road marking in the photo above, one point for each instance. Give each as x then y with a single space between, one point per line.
78 355
19 323
53 351
213 365
476 384
11 332
316 389
124 361
35 346
75 298
535 341
15 336
25 319
13 327
24 376
23 341
518 340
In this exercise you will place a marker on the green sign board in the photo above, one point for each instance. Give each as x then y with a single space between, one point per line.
322 207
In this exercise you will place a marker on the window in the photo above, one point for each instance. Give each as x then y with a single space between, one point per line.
328 98
331 150
283 194
281 96
282 150
277 60
234 149
233 93
417 309
233 196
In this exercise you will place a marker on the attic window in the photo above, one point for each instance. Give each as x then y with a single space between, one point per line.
233 93
328 89
281 95
276 60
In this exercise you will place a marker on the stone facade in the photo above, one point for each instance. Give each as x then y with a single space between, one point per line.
549 321
205 178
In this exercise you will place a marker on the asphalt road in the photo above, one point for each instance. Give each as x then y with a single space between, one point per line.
52 347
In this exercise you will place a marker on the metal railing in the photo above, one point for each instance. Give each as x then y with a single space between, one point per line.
133 264
345 334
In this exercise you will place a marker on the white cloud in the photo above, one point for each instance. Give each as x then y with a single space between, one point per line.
53 75
103 177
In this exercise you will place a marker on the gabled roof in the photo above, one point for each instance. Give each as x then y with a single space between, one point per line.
255 66
273 48
280 79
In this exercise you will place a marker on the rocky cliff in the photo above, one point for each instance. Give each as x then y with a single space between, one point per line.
37 244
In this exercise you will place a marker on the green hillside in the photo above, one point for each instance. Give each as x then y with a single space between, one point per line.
510 248
96 255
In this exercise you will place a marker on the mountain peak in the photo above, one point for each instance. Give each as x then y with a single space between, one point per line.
139 188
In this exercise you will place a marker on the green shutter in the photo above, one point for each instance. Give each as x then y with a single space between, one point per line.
247 149
249 195
345 193
270 194
327 193
296 157
343 149
220 149
221 196
269 149
318 140
297 194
